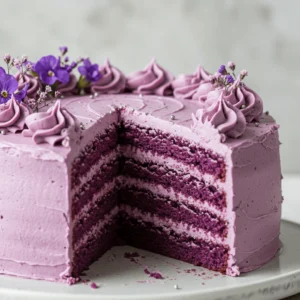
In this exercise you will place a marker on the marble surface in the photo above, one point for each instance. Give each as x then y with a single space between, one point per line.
259 35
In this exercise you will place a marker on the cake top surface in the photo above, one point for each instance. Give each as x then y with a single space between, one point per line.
44 103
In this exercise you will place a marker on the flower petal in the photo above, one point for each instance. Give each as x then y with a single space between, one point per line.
63 76
82 70
87 63
52 60
45 78
20 95
10 85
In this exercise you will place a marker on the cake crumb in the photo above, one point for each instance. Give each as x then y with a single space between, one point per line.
94 285
72 280
155 274
131 255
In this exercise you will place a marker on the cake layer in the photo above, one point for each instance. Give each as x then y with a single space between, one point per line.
95 169
104 175
94 247
168 225
93 152
166 207
169 192
101 206
180 182
168 145
146 236
142 156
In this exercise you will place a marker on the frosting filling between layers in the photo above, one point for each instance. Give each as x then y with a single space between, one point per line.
167 208
184 183
93 152
163 143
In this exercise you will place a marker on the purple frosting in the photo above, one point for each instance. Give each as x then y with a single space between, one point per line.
12 115
55 126
241 97
69 88
113 81
222 115
34 84
193 86
152 80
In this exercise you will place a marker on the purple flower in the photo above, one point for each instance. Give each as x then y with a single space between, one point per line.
50 71
21 94
229 79
72 66
9 87
222 69
63 50
3 75
89 71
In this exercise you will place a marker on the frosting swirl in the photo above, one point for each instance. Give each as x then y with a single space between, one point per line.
69 88
192 86
55 126
152 80
241 97
226 118
12 115
34 84
113 81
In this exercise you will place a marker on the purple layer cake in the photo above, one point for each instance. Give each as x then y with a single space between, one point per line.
186 167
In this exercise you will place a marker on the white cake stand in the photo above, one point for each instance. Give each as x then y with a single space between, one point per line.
119 278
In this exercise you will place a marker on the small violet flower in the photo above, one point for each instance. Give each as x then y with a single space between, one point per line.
89 71
63 50
49 70
229 79
9 87
72 66
222 69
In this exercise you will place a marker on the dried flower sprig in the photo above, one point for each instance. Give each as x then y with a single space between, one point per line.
44 98
224 78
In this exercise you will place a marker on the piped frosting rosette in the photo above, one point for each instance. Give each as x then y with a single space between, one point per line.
113 81
241 97
12 115
55 126
193 86
223 116
69 88
152 80
34 84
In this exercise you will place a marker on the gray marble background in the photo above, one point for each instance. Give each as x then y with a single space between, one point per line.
260 36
